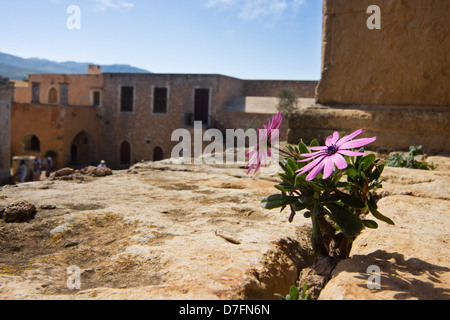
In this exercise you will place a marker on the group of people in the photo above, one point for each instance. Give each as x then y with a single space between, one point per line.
38 165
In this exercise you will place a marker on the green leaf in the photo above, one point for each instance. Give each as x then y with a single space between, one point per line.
293 165
350 200
314 143
305 296
371 201
286 187
294 293
277 201
367 161
376 173
302 147
350 224
378 215
370 224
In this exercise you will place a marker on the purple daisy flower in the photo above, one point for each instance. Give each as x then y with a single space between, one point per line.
330 155
267 137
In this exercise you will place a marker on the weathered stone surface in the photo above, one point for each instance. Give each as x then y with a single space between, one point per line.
406 62
19 211
396 127
164 232
413 255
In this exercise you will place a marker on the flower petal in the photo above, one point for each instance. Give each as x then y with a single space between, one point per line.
312 154
314 172
313 157
328 167
349 137
310 165
351 153
319 148
331 140
339 161
357 143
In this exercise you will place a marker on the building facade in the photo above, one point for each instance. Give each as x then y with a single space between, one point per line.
126 118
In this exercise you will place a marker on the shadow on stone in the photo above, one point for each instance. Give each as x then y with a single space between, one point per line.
411 278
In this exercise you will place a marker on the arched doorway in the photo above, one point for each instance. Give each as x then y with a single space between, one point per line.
125 154
32 143
52 96
82 150
158 154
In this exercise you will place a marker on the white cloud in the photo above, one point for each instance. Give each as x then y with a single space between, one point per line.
116 4
253 9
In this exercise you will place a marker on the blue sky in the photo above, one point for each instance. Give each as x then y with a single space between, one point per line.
248 39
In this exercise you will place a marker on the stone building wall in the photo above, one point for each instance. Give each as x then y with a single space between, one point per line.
391 79
56 127
406 62
78 88
6 97
271 88
144 129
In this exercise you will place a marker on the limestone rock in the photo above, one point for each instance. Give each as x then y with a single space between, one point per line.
19 211
96 172
63 172
162 232
414 255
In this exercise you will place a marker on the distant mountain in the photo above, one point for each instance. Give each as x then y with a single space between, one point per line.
17 68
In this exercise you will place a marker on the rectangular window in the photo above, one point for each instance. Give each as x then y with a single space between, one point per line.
96 98
201 105
35 91
126 99
160 100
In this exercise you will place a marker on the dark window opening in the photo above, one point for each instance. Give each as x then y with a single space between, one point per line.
201 105
125 154
160 100
126 99
35 144
96 98
158 154
35 91
74 153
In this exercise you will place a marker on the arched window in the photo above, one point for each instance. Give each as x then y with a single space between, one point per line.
158 154
125 154
82 149
32 143
52 96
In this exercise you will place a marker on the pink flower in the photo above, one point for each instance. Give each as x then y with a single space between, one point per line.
268 136
332 153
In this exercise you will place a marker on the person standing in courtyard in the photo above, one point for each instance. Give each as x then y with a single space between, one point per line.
23 171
